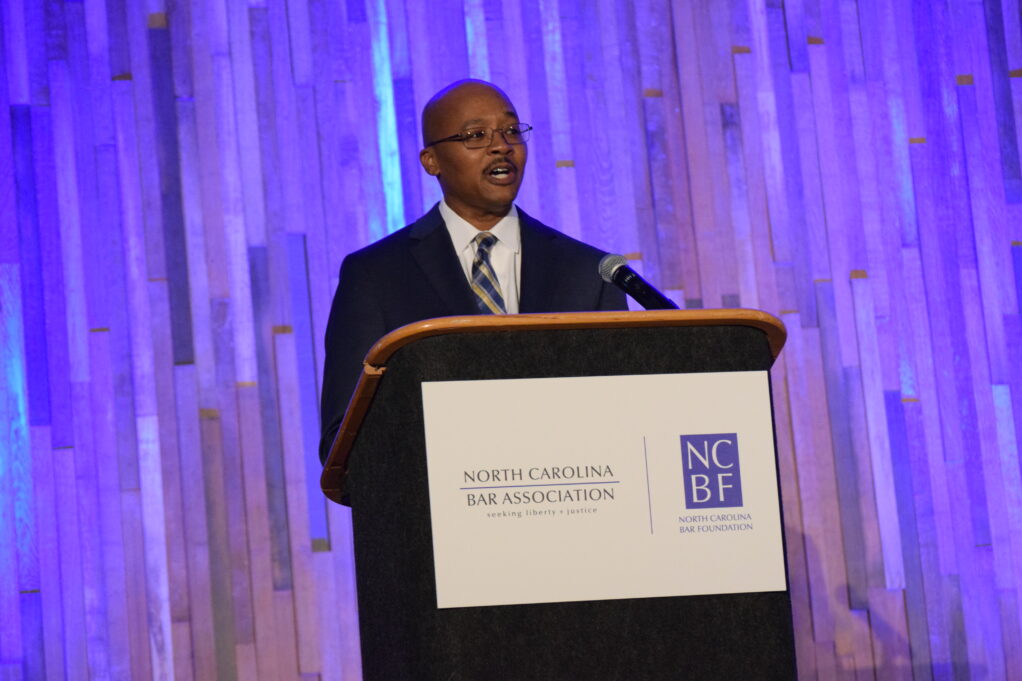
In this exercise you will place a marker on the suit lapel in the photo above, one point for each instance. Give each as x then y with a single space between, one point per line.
539 265
434 252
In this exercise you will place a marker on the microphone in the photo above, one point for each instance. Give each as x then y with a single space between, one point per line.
615 270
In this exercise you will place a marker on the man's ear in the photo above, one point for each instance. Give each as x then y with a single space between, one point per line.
428 160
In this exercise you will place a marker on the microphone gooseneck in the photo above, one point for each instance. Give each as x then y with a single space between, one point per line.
614 269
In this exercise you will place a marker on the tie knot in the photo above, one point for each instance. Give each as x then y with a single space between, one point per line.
484 241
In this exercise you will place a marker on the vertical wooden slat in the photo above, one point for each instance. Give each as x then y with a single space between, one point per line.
199 622
303 591
95 469
94 597
260 542
386 141
718 90
68 155
54 642
796 543
174 256
15 472
135 579
150 476
407 107
936 618
879 442
986 192
741 241
475 39
301 326
608 107
659 98
561 129
914 592
16 52
216 591
22 364
345 619
165 348
848 480
70 560
573 48
423 81
694 111
249 149
111 548
272 461
1011 471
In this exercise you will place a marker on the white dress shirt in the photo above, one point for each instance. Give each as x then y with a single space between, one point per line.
505 256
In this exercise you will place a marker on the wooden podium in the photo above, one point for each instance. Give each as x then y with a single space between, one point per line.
378 465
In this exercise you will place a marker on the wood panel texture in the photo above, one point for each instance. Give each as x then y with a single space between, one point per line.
179 181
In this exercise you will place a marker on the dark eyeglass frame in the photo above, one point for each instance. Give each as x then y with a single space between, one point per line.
463 136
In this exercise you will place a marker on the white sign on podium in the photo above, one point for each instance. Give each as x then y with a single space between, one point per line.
595 488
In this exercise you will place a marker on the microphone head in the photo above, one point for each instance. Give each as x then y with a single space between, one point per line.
609 264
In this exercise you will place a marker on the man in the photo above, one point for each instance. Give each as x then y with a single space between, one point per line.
473 253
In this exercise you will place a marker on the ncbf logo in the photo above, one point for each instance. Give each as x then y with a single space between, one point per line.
711 471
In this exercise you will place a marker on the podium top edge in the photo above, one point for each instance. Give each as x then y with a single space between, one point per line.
384 348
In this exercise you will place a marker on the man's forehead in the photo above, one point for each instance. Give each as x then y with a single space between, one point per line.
457 105
510 113
466 100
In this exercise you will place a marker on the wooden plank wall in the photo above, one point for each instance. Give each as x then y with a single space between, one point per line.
180 180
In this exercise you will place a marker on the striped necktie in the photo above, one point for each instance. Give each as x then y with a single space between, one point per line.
484 279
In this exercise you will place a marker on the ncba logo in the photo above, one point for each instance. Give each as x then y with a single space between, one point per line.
711 470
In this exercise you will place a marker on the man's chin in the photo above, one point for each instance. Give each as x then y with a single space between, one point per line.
488 200
501 197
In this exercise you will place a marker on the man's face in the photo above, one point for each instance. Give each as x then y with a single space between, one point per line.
478 184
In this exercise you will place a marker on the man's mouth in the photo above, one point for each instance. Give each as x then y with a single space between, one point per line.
502 172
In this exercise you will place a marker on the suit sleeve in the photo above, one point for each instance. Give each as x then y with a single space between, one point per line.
355 323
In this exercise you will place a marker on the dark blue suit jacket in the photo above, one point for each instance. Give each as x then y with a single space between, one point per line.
414 274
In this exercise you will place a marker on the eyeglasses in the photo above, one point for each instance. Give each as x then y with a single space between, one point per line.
477 138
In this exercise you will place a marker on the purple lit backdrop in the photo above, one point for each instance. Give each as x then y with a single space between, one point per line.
178 185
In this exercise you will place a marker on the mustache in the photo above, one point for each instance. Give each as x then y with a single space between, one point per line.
505 161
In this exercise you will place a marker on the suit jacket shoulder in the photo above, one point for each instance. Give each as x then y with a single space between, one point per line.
561 274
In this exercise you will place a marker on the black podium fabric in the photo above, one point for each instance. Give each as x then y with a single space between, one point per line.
405 636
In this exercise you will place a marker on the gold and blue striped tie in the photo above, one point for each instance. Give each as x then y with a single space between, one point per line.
484 279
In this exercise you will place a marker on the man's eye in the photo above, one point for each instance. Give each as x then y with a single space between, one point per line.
473 134
514 130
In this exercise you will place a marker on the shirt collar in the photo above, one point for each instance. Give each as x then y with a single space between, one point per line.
462 232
